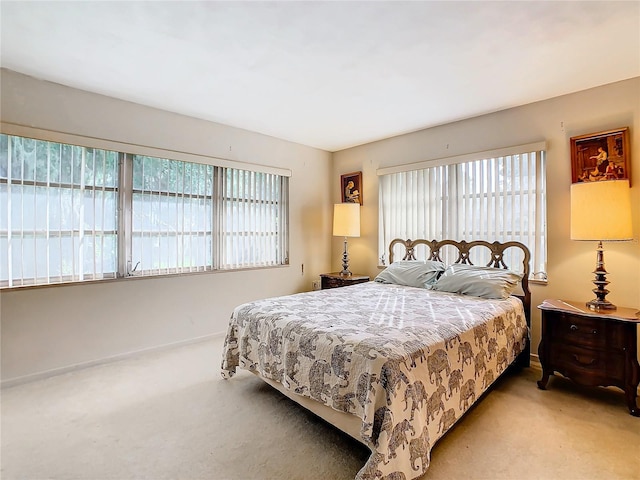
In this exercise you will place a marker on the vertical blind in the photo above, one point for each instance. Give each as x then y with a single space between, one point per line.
71 213
253 219
172 216
58 213
499 198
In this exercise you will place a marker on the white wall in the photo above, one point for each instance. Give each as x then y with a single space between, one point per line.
55 327
570 263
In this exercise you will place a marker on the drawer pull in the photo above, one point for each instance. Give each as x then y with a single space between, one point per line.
575 328
593 360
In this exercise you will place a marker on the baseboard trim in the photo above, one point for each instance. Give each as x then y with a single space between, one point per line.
12 382
535 362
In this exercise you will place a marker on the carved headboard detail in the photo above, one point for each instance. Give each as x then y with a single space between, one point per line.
497 251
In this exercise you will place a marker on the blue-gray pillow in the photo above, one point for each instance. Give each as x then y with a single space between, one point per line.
412 273
485 282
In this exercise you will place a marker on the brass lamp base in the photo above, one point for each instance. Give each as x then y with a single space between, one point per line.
600 303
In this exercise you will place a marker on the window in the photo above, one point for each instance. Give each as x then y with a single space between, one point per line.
72 213
172 216
498 197
58 213
254 228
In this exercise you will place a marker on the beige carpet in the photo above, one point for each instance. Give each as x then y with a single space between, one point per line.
169 415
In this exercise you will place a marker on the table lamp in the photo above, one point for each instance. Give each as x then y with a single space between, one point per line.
601 211
346 223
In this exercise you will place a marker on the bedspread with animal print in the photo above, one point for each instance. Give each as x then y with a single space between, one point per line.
407 361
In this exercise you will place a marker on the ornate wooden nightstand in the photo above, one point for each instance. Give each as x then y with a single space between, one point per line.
335 280
591 348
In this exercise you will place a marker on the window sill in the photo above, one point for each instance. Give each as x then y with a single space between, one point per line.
134 277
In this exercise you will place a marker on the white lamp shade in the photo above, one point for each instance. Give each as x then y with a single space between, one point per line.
346 220
601 210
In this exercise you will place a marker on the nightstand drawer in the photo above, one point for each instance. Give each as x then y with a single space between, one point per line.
335 280
567 328
589 366
330 282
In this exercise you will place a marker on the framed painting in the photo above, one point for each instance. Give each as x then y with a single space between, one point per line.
351 187
600 156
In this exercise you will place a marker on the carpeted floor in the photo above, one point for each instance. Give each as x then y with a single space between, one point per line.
169 415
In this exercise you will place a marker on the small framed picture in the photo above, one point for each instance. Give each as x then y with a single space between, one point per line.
600 156
351 187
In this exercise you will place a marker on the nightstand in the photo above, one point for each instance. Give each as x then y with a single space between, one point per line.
335 280
591 348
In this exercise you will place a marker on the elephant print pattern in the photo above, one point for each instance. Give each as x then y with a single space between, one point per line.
408 384
419 449
436 363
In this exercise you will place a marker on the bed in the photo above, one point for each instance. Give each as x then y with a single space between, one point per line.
395 362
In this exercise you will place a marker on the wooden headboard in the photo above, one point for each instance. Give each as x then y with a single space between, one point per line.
497 260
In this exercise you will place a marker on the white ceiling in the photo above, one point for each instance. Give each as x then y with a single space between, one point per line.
325 74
